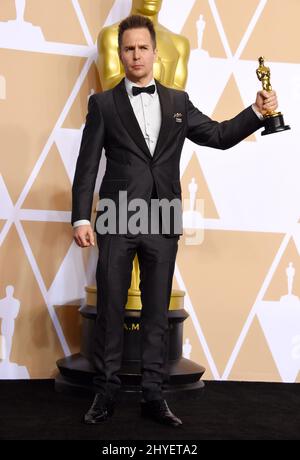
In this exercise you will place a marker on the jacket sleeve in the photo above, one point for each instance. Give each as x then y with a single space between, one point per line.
87 163
204 131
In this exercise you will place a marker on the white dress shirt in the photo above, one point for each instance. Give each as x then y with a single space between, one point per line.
147 110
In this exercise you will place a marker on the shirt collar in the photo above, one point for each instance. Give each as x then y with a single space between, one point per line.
129 84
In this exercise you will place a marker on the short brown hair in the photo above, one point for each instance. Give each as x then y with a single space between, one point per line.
136 21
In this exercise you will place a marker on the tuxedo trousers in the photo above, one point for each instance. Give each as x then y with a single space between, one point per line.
156 254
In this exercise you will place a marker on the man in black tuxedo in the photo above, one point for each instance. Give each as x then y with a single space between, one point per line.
142 126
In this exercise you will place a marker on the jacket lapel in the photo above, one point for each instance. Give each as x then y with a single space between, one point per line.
128 118
166 117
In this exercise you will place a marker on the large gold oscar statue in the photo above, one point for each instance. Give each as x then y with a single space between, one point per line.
170 69
173 51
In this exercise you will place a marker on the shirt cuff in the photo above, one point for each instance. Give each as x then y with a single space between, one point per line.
77 223
260 116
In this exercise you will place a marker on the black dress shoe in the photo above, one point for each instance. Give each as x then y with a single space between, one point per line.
158 410
100 410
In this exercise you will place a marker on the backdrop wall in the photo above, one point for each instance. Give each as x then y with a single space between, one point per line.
242 282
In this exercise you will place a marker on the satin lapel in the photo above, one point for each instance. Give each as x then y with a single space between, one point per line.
128 118
166 117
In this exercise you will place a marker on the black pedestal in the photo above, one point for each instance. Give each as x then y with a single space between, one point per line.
274 124
77 371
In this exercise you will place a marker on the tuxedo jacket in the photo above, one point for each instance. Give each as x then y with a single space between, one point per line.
112 125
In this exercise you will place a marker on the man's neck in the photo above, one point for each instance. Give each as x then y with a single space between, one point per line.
141 82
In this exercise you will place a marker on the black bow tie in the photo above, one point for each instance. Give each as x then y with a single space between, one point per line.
145 89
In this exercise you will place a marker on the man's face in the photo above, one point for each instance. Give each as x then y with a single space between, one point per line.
147 7
137 55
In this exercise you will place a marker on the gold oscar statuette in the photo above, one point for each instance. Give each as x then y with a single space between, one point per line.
274 122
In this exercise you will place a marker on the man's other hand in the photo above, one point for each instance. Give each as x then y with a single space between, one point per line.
84 236
266 102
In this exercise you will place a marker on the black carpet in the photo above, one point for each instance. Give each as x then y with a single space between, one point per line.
32 410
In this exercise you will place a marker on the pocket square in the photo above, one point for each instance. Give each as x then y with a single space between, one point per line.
178 117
